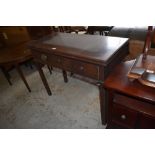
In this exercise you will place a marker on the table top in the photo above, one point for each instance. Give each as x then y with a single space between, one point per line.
119 81
15 54
94 47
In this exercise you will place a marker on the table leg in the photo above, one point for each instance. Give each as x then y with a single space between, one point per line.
31 65
103 102
65 76
71 74
22 76
50 69
6 74
43 78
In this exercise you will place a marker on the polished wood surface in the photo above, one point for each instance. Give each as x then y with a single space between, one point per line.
87 55
100 49
14 56
129 102
14 35
118 81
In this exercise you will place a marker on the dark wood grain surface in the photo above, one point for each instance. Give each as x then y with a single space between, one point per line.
15 54
96 48
130 104
118 80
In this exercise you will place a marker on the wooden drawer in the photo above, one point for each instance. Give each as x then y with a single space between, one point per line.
146 122
46 58
123 116
134 104
127 101
81 68
68 64
75 66
40 56
56 61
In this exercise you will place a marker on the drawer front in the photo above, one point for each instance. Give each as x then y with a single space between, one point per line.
75 66
68 64
146 122
124 116
56 61
45 58
41 57
81 68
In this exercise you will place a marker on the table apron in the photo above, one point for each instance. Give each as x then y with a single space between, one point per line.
75 66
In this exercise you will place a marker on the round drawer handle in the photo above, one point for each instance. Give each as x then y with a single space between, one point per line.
81 68
43 57
123 117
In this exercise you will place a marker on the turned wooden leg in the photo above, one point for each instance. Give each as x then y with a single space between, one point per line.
103 103
43 78
65 76
22 76
7 76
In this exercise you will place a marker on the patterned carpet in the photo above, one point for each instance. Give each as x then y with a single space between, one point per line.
73 105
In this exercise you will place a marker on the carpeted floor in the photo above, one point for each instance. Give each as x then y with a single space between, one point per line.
73 105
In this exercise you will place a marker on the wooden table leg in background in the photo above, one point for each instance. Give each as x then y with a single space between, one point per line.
22 76
6 74
50 69
39 67
65 76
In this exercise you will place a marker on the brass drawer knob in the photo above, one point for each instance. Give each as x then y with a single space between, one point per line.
123 117
43 57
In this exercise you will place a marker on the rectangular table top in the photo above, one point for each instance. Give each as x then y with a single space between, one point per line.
94 47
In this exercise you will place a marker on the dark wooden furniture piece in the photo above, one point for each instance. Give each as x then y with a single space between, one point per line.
36 32
101 29
69 29
14 56
14 35
130 104
87 55
11 39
